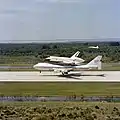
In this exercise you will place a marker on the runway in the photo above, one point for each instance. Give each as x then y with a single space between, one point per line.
86 76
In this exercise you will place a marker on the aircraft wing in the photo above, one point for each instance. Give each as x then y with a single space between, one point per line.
62 69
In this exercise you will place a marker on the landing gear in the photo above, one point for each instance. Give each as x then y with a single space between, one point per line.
64 73
40 71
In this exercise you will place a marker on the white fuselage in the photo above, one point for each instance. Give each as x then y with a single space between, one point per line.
66 60
48 66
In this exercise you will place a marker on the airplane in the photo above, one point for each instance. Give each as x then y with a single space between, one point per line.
94 47
95 63
73 60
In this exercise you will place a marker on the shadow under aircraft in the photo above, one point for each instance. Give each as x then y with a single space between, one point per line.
75 75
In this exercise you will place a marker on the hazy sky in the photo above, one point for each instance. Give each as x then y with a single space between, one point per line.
38 20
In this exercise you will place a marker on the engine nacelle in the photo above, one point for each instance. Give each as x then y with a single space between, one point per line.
60 70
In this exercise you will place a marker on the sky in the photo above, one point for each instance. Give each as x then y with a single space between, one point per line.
51 20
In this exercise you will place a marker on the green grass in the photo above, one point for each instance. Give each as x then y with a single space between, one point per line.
58 104
55 103
57 89
111 66
19 69
17 64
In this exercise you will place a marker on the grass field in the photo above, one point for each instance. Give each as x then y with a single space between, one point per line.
61 104
57 89
111 66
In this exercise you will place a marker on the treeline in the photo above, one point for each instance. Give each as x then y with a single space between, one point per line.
37 52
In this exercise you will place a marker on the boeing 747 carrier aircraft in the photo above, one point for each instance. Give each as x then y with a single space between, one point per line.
94 64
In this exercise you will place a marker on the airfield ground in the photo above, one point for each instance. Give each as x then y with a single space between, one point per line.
60 89
84 76
110 86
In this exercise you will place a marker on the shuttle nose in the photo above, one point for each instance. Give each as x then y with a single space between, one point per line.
47 58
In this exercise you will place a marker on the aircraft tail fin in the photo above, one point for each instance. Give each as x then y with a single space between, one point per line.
75 55
96 61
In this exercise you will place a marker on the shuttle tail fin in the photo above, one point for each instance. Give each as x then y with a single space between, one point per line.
75 55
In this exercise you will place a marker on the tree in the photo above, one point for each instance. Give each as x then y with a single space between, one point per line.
114 43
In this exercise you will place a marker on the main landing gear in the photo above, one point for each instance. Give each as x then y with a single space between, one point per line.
64 73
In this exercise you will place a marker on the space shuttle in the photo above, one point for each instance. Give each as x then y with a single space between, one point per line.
73 60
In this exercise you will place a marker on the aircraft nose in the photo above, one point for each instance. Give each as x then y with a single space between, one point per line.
83 60
35 66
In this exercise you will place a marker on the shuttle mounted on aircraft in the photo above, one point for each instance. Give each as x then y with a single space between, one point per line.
66 60
94 64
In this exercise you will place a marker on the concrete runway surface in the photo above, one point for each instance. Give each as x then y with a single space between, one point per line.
86 76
